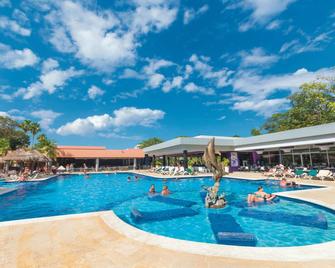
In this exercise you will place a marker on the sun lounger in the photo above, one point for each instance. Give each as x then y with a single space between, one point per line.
227 231
316 220
172 201
323 174
161 215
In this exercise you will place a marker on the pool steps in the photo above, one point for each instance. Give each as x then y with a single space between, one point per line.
227 231
316 220
172 201
161 215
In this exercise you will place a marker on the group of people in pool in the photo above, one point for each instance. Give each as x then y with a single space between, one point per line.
259 196
165 191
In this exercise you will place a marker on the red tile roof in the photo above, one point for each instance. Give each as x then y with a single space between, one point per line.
86 152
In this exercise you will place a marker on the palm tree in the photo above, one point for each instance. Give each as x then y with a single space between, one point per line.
34 129
26 125
46 146
4 146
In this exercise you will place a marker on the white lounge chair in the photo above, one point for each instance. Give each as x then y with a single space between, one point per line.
323 173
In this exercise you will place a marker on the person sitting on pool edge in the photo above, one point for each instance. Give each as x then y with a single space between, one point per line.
285 183
165 190
260 196
152 189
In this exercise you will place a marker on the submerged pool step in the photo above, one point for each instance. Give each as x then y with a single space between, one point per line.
244 204
316 220
172 201
227 231
161 215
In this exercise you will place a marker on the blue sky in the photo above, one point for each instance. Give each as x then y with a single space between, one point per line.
115 72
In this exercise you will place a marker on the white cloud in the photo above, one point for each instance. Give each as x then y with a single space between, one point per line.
14 114
309 44
268 84
7 24
130 73
107 81
124 117
94 92
16 59
193 88
257 57
50 80
201 65
155 80
175 83
47 118
153 16
105 39
150 72
265 107
190 14
274 25
262 11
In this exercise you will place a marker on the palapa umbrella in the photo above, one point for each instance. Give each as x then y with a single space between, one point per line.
25 156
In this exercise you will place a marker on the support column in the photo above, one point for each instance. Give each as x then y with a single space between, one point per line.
97 164
185 155
153 161
255 158
164 161
134 164
328 163
280 157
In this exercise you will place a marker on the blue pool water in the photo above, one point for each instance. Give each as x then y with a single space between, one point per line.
77 194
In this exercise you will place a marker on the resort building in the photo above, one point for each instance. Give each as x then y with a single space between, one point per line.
99 157
309 147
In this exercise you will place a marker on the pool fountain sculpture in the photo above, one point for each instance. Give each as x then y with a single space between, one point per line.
213 198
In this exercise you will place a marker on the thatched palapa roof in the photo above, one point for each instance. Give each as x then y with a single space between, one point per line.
25 155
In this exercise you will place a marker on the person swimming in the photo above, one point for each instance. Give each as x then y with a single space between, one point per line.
285 183
128 179
260 196
165 190
152 189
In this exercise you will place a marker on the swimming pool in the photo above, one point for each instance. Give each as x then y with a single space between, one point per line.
273 225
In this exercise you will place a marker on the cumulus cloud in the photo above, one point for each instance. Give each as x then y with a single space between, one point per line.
176 82
49 81
191 14
193 88
15 58
7 24
121 118
5 3
105 39
47 118
257 57
253 92
94 92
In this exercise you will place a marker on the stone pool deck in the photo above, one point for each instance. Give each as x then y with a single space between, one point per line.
88 240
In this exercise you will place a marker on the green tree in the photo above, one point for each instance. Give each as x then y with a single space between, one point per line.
34 129
4 146
46 146
149 142
26 125
10 130
255 132
313 104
